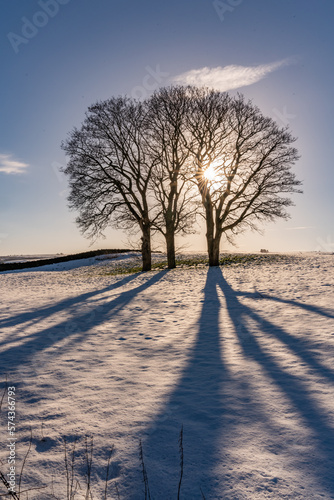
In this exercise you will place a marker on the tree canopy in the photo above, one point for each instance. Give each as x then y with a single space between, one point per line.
154 164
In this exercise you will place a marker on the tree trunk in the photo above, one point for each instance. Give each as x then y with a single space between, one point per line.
213 250
146 247
210 228
170 225
170 243
214 257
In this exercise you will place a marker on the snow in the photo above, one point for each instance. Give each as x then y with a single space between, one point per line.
240 356
134 257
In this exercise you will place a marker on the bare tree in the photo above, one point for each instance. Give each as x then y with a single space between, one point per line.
242 165
135 165
176 199
109 170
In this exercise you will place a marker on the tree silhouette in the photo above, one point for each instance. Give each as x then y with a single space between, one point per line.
242 165
110 171
150 165
176 199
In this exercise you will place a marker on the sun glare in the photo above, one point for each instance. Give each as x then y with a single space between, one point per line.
214 178
210 173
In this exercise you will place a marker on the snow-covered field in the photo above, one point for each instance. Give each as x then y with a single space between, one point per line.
242 357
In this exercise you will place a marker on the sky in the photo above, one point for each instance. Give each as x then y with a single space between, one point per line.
60 56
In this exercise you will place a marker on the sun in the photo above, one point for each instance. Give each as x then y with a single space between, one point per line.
210 174
214 178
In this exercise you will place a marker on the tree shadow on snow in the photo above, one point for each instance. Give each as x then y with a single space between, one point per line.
297 392
40 313
212 403
79 322
206 401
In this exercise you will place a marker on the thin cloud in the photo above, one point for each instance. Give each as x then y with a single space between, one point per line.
8 165
228 77
298 228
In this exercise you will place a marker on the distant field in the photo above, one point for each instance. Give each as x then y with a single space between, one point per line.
12 262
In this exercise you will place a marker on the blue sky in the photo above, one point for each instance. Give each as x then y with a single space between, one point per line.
60 56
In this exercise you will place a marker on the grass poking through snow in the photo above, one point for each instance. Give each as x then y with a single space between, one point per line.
231 259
